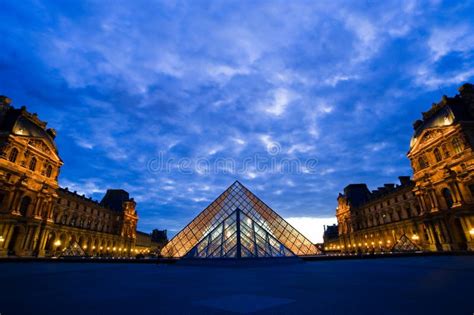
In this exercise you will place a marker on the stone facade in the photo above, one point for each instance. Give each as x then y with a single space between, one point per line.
37 217
151 243
435 209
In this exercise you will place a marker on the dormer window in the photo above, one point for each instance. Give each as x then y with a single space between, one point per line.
33 164
13 155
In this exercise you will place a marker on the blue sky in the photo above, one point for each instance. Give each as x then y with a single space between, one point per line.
127 83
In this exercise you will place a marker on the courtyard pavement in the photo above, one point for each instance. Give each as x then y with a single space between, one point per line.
416 285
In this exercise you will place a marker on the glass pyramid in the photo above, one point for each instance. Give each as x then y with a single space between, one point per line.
404 244
238 224
73 250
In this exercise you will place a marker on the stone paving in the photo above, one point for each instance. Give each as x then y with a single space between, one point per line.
417 285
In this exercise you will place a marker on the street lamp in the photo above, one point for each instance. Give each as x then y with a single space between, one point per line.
470 232
57 243
2 239
415 237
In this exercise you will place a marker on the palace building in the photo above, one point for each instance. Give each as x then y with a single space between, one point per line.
434 211
37 217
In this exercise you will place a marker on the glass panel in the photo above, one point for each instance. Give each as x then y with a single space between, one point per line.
259 224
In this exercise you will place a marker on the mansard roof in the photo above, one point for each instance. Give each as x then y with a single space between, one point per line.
358 195
447 112
20 122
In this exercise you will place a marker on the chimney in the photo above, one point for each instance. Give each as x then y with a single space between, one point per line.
5 101
51 132
467 93
404 180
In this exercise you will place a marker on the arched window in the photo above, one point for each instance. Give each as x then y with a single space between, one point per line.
33 164
49 171
448 197
13 155
437 155
422 163
25 203
457 146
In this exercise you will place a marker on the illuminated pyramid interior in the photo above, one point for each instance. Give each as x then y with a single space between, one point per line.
404 244
238 225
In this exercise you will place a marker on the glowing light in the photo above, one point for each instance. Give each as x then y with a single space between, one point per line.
471 232
57 243
84 247
2 239
114 249
101 248
108 248
93 247
415 237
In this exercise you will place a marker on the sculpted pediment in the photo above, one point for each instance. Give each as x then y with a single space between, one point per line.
431 134
40 145
426 136
43 147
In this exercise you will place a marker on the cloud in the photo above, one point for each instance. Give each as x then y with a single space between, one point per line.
135 82
445 40
279 102
311 227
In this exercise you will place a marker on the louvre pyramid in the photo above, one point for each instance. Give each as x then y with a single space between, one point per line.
237 225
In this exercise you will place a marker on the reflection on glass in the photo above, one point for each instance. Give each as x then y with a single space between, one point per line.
263 233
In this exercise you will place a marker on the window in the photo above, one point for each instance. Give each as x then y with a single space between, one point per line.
33 164
448 197
437 155
422 163
49 171
25 203
457 146
445 151
13 155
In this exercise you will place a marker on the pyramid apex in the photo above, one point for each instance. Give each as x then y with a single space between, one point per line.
236 183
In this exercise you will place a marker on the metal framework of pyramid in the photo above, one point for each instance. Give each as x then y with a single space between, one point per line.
238 225
404 244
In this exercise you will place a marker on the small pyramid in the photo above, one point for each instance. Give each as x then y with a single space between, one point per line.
238 225
404 244
73 250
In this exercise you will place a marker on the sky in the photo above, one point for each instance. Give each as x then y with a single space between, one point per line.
175 100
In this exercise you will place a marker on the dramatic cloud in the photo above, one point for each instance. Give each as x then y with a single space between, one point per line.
175 100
